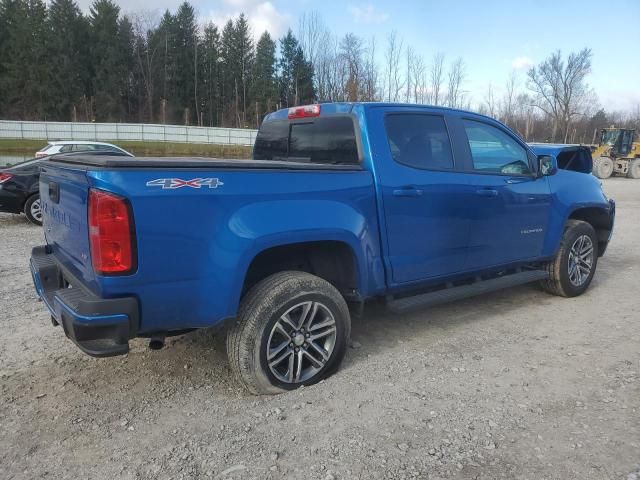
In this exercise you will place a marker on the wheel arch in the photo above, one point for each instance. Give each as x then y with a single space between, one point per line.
335 261
600 219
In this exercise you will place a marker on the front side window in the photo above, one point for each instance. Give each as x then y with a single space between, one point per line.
493 151
419 141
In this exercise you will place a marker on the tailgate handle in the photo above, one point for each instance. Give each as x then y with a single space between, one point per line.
54 192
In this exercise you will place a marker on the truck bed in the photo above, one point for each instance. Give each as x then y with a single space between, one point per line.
111 162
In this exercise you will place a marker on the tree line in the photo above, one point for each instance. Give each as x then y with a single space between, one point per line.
57 63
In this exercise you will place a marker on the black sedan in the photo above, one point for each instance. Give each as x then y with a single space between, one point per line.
19 187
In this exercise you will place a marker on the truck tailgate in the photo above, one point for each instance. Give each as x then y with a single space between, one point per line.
64 192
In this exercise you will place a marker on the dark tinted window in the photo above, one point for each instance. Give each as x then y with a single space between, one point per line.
321 140
419 141
493 151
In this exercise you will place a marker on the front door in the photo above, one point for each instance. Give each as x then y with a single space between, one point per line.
423 196
511 204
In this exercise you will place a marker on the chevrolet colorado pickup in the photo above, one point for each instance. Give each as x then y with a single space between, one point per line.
340 204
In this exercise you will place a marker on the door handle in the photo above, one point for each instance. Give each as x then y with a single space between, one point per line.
487 192
408 192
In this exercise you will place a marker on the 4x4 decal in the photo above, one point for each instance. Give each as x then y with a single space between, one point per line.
173 183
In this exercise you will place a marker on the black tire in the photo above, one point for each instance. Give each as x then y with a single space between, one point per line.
603 167
559 282
34 215
264 306
634 169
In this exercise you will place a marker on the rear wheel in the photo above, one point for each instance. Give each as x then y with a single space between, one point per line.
571 272
603 167
32 209
292 330
634 169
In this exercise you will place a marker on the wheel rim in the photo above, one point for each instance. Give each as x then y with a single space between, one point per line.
35 210
580 260
301 342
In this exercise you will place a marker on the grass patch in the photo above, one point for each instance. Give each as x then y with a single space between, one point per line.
142 149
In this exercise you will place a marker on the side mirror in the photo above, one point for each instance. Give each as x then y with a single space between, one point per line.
547 165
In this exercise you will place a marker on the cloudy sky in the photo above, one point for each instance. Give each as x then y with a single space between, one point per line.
493 36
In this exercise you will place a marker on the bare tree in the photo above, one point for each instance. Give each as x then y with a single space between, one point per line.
509 99
489 105
370 81
146 48
311 31
418 74
455 80
352 50
436 77
395 82
560 88
409 75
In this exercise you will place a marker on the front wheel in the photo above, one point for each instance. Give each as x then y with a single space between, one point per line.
634 169
32 209
292 330
571 272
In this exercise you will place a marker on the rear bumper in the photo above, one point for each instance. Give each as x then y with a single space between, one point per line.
99 327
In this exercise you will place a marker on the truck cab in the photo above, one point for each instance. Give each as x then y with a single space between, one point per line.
341 203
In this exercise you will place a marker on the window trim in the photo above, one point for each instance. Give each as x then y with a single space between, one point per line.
454 167
470 167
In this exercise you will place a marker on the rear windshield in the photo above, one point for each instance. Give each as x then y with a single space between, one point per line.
318 140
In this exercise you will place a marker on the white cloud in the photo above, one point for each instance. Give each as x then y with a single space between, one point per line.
262 15
367 14
522 63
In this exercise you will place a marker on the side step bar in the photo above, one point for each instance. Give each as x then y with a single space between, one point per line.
408 304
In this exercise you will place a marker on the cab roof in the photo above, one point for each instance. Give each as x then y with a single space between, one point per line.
333 108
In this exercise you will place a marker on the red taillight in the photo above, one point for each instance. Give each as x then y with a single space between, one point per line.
305 111
4 177
110 233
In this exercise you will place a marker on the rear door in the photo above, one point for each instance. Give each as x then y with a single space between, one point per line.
509 204
423 196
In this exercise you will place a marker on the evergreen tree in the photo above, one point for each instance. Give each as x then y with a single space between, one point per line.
296 73
23 69
231 72
164 41
210 74
265 88
108 60
130 83
186 39
68 62
245 58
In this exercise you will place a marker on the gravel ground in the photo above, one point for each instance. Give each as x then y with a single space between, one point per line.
517 384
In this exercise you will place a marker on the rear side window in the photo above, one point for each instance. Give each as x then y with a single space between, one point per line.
419 141
493 151
321 140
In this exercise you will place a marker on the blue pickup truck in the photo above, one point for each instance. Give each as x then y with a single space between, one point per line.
341 203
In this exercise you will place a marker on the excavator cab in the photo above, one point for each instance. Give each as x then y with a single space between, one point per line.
619 139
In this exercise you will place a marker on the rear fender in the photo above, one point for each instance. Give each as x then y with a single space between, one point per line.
264 225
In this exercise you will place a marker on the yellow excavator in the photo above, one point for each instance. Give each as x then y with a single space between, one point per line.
616 153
